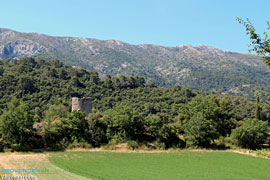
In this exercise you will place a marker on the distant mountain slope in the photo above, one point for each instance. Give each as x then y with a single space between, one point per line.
200 67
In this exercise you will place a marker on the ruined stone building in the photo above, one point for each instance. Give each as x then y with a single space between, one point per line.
82 104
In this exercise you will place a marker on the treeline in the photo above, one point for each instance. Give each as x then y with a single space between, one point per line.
36 111
40 83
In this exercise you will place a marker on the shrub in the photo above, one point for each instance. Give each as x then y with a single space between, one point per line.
123 123
96 129
251 134
199 131
59 132
16 126
220 143
1 146
159 145
132 145
82 144
262 152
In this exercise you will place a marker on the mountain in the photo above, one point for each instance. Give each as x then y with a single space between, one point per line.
199 67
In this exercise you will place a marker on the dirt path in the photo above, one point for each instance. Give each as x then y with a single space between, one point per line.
35 161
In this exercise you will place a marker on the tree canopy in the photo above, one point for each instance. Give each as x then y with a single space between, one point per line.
35 110
259 44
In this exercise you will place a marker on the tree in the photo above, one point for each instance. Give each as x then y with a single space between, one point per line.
96 129
259 95
55 111
123 81
1 71
63 74
94 78
60 131
251 134
108 82
123 124
260 45
153 125
204 119
26 84
199 131
116 82
16 126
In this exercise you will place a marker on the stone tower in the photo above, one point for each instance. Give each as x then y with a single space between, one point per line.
82 104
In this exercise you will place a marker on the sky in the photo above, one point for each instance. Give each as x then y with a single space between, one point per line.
162 22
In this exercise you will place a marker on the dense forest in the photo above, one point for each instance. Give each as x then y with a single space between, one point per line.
35 111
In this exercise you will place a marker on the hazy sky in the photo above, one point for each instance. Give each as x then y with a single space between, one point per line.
163 22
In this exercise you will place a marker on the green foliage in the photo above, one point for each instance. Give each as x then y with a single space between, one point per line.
260 45
153 126
123 123
97 129
258 108
201 67
124 109
1 71
60 127
54 111
251 134
132 145
26 84
16 126
59 132
199 131
205 118
262 152
81 144
41 83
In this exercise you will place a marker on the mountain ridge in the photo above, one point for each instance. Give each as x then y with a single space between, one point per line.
122 42
199 67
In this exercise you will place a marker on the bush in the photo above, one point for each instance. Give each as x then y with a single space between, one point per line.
199 131
204 119
1 146
123 123
222 143
159 145
96 129
262 152
16 126
251 134
60 132
82 144
132 145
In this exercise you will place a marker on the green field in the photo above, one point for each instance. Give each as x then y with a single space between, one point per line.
163 166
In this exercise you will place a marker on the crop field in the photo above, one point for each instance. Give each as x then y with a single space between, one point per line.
163 166
34 161
186 165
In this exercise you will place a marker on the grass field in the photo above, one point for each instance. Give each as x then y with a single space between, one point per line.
163 166
35 161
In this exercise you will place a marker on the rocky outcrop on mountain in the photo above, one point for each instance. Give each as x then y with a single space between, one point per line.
200 67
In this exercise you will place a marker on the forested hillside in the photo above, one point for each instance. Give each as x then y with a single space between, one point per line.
36 103
197 67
